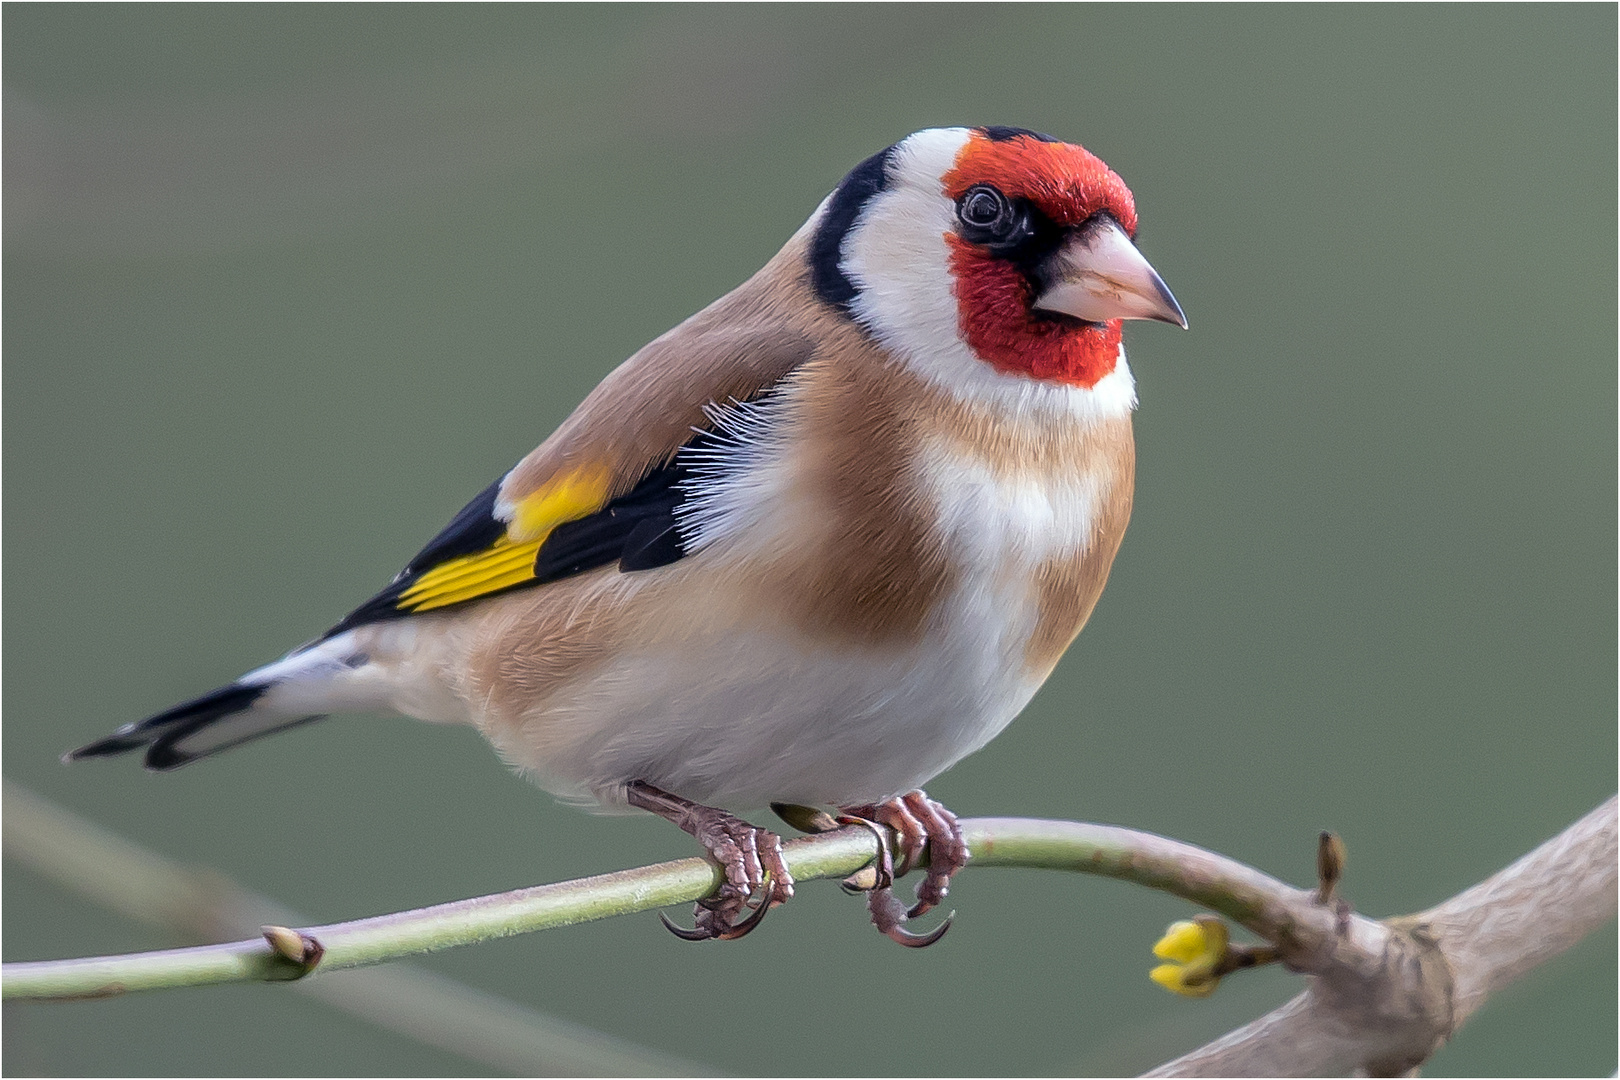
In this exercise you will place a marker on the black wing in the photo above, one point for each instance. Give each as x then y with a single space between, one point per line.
639 530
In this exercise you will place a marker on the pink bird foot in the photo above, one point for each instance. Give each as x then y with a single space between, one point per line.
751 858
918 822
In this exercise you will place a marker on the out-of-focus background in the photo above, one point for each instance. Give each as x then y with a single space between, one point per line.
284 286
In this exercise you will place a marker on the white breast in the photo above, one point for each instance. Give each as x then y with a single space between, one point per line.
734 707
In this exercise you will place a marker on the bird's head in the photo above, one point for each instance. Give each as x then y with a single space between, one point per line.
991 247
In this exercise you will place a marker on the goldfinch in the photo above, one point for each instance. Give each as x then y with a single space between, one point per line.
810 548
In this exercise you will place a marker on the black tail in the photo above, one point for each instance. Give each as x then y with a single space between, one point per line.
176 736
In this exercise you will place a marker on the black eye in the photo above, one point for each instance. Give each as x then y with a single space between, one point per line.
983 207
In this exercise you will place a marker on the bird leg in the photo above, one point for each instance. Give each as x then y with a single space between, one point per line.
917 821
750 857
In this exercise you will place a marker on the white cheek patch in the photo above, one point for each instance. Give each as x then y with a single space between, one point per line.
898 259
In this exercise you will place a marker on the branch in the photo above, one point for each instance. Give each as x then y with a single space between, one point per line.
418 1004
1383 994
1245 895
1386 995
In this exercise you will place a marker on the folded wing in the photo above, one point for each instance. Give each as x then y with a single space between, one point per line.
605 487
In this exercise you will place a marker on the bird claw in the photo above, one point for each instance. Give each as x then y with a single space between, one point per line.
750 857
713 923
889 915
716 918
752 862
694 934
917 821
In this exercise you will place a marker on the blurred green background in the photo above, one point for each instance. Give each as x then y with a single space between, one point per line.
284 286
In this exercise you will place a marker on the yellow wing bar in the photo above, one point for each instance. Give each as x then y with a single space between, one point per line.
471 576
510 560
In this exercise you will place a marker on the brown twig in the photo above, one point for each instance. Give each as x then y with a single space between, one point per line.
1383 996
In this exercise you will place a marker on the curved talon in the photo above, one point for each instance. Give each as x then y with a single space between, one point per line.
750 858
694 934
746 926
916 821
703 931
905 937
889 916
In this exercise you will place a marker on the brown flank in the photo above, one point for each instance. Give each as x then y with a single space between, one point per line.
1068 588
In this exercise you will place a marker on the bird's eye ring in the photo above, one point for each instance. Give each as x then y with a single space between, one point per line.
983 208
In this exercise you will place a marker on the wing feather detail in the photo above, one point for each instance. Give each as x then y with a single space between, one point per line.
471 576
605 487
509 561
639 530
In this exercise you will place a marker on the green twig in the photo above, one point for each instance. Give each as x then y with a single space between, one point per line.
1383 994
403 998
1245 895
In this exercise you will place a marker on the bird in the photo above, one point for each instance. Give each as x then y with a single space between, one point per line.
808 549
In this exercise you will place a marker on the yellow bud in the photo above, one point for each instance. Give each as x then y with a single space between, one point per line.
1183 942
1197 946
1184 980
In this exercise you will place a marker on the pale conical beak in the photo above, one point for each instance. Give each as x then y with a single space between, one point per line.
1099 275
